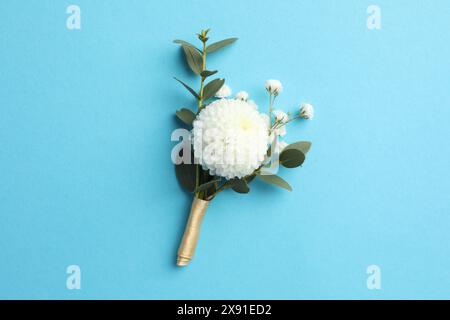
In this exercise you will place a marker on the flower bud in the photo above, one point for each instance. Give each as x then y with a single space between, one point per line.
307 111
274 87
223 92
280 115
242 95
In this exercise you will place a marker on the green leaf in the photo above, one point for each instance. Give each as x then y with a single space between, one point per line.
186 174
292 158
220 44
212 87
186 115
250 178
189 88
194 59
303 146
239 185
269 151
207 73
185 43
275 180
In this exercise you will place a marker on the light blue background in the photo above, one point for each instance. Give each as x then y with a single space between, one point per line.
86 176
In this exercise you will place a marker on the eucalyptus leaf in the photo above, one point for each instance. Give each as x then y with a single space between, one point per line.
292 158
269 151
303 146
239 185
186 115
194 59
220 44
275 180
212 87
189 88
207 73
186 174
250 178
185 43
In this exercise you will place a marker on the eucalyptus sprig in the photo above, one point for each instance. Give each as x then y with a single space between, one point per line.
196 60
206 186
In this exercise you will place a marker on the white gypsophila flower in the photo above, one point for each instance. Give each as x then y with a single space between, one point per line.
224 92
280 115
281 131
242 95
307 111
230 138
274 87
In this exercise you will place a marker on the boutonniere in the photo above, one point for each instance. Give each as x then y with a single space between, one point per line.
231 142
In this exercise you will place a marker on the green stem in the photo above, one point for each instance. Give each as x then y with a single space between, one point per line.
270 108
280 124
292 119
200 104
202 83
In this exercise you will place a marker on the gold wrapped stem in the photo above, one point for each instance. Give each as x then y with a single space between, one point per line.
192 232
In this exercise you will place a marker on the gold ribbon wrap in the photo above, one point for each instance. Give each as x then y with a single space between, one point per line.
192 232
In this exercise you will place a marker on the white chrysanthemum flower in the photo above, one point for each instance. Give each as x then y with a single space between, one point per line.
242 95
274 87
252 104
230 138
307 111
280 115
266 119
224 92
